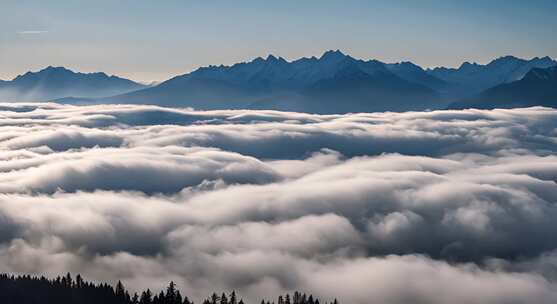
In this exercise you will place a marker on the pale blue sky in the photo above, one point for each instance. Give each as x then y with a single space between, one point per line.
154 40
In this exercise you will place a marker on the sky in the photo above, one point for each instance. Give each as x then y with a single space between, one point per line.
155 40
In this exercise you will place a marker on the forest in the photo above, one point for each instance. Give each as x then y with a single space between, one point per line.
27 289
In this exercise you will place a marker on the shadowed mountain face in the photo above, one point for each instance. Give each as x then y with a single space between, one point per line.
537 88
353 90
333 83
413 73
57 82
472 78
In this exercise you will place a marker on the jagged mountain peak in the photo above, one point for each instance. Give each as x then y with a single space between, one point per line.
54 71
468 65
333 56
336 52
45 72
51 68
545 60
408 65
506 58
273 59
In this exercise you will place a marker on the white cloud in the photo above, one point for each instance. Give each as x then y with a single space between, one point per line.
33 32
436 207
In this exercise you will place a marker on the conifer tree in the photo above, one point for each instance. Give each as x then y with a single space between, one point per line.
170 296
79 281
119 290
233 299
146 297
223 299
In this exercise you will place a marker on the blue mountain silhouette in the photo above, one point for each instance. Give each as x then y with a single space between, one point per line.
472 78
333 83
537 88
58 82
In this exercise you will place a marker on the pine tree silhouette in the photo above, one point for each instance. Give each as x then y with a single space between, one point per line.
233 298
146 297
26 289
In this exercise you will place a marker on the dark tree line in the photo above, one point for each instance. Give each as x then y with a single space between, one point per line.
297 298
28 289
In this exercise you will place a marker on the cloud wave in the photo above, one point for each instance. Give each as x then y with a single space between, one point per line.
432 207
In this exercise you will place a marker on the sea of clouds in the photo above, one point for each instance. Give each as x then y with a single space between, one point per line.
420 207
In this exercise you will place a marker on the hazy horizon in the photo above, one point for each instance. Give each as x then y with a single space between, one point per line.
147 41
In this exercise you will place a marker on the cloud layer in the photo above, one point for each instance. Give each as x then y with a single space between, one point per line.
428 207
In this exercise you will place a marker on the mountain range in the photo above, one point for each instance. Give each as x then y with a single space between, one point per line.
333 83
471 78
537 88
58 82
